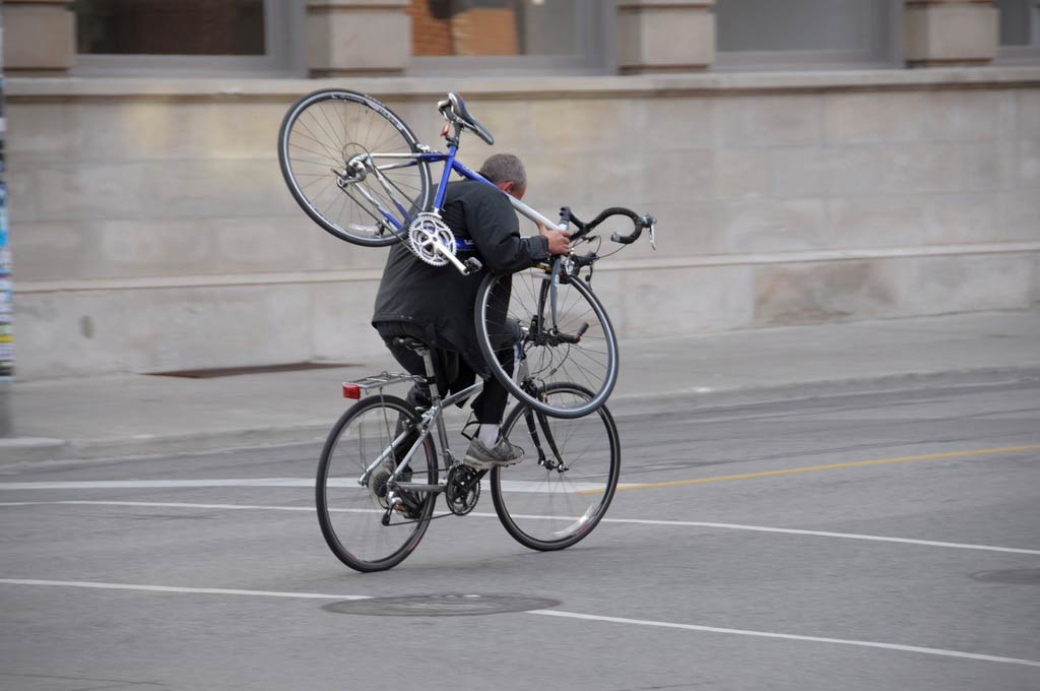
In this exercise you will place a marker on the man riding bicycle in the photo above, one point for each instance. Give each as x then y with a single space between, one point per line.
435 305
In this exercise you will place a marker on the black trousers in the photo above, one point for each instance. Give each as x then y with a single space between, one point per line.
452 370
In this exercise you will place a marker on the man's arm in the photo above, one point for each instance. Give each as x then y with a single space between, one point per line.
494 227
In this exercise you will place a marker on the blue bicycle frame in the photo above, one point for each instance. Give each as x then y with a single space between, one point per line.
451 163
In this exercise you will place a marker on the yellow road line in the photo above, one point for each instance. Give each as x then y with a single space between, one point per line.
831 466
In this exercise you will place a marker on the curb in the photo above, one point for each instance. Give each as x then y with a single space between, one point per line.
22 450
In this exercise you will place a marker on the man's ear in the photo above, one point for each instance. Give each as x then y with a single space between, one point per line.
506 186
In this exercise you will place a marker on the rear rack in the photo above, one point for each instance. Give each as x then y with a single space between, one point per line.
353 389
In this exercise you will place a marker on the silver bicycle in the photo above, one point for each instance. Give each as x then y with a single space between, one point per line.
385 464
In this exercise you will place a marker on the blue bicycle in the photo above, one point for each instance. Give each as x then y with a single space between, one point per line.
358 171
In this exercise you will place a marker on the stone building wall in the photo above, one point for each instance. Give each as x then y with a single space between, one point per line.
154 231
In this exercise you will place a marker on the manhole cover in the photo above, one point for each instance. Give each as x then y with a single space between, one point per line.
451 605
1011 576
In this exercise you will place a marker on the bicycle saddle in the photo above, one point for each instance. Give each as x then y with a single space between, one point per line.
410 343
458 107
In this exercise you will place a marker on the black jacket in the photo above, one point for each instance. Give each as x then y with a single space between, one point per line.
439 299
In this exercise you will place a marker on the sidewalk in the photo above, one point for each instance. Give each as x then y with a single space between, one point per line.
127 415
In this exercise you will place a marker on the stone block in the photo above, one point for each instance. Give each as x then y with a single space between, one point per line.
54 251
963 219
669 36
224 188
1028 164
24 198
964 115
771 225
684 229
659 177
769 121
964 283
351 37
829 291
887 221
820 292
565 125
989 166
100 191
1035 297
1027 112
801 171
41 132
947 33
94 332
674 302
870 118
39 37
1019 215
667 124
825 171
740 173
341 321
510 123
915 168
552 182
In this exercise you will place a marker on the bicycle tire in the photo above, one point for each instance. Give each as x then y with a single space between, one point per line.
592 361
322 131
543 498
350 515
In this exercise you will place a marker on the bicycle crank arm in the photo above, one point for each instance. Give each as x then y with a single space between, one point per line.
471 265
418 487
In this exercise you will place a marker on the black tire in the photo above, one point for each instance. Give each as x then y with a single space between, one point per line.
350 515
325 129
548 509
591 362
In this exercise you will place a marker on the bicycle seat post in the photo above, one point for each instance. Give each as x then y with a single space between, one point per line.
431 374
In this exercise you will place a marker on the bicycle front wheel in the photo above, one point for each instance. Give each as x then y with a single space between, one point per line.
559 333
349 162
561 489
352 516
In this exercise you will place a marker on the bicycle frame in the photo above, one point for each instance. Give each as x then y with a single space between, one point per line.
451 163
434 416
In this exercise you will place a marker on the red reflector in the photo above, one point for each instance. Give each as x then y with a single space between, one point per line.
351 391
444 132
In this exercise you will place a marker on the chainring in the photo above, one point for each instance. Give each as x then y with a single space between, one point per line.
429 238
463 489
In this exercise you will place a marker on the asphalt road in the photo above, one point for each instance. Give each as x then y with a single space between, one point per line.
875 541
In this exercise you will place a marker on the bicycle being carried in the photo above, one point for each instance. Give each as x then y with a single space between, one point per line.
360 173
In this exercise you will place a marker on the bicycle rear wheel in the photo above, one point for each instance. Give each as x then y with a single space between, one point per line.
561 334
351 516
562 488
324 145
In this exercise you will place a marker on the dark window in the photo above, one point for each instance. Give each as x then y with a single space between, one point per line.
1019 22
170 27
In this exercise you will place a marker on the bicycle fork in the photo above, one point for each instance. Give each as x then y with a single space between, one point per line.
549 463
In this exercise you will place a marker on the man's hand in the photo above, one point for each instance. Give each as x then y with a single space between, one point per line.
559 240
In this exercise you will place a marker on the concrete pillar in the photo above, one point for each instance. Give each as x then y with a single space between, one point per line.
940 33
351 37
41 37
665 36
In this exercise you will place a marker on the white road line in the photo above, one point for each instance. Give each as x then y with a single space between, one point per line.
175 589
507 486
630 521
823 533
543 612
790 637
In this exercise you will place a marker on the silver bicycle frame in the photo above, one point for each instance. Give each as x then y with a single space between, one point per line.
433 416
